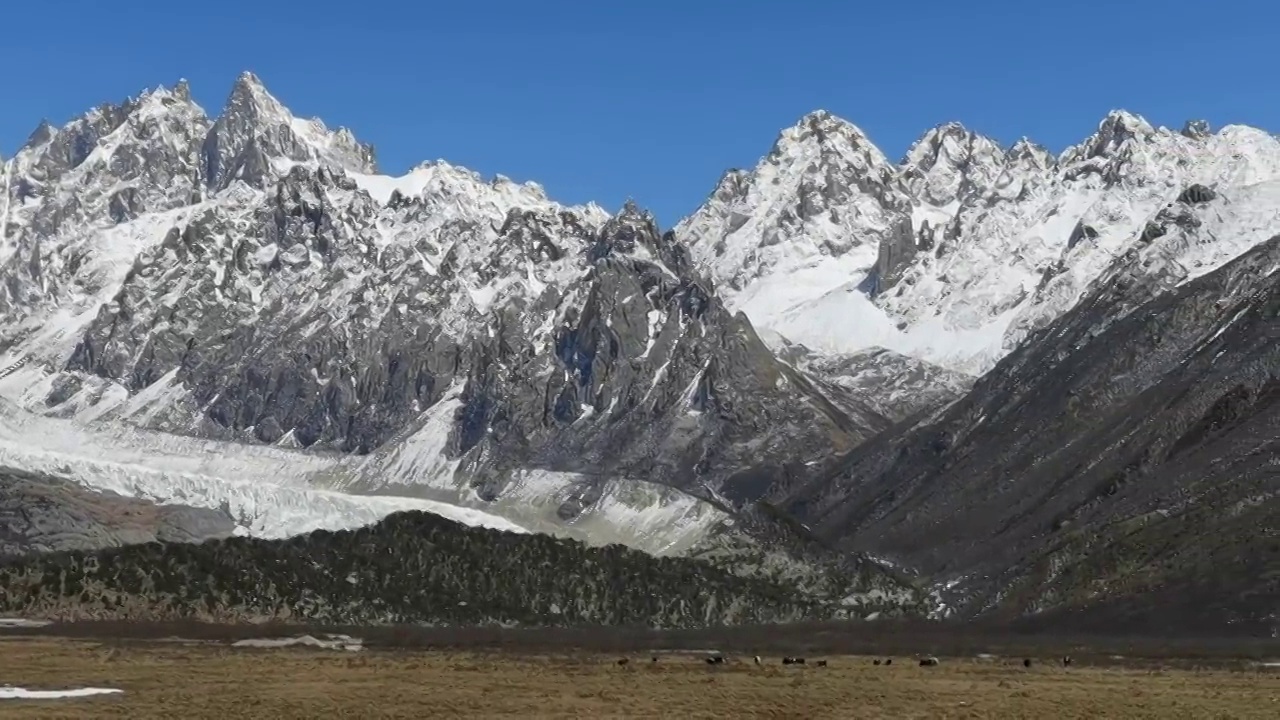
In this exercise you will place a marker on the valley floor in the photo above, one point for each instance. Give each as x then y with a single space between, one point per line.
210 678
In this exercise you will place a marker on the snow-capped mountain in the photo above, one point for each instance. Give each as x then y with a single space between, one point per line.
1121 464
240 314
961 249
251 279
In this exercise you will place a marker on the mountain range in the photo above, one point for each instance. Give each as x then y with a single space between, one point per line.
992 380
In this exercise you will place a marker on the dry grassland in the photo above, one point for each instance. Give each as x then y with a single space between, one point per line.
215 681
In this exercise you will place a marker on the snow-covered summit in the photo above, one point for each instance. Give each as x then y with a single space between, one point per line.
477 342
950 164
813 212
220 236
957 252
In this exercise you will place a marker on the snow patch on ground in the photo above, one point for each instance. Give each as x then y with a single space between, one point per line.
328 642
9 692
23 623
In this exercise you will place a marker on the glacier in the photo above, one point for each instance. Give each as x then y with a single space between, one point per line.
269 493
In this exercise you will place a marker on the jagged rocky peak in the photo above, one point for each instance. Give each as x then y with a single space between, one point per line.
950 163
1027 166
634 231
824 126
155 114
633 215
1115 134
43 133
823 190
49 152
256 137
504 184
830 161
1030 155
444 178
629 228
733 184
826 135
113 163
1197 129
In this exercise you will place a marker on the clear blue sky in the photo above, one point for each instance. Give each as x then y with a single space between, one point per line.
653 99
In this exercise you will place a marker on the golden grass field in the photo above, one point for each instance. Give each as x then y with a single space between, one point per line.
204 680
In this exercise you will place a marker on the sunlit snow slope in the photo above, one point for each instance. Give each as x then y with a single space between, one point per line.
954 254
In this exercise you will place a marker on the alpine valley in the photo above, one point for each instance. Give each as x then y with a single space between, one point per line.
980 381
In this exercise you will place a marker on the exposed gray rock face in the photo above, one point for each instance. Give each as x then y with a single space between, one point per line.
878 382
1196 194
951 164
897 251
74 193
114 165
250 278
1197 129
255 134
569 345
465 340
1120 460
39 513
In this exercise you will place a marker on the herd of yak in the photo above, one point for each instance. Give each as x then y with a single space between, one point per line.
929 661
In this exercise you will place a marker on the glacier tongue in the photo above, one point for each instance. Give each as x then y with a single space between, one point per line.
268 492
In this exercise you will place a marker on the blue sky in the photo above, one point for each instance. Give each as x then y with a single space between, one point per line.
651 99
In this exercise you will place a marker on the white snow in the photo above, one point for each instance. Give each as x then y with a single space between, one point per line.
268 491
8 692
416 457
23 623
388 257
108 257
328 642
636 513
965 307
639 514
6 172
792 243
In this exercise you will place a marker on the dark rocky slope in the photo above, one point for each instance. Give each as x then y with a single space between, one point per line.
39 513
1123 459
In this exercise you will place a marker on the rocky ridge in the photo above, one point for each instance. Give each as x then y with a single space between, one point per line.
958 252
1119 464
250 281
450 338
